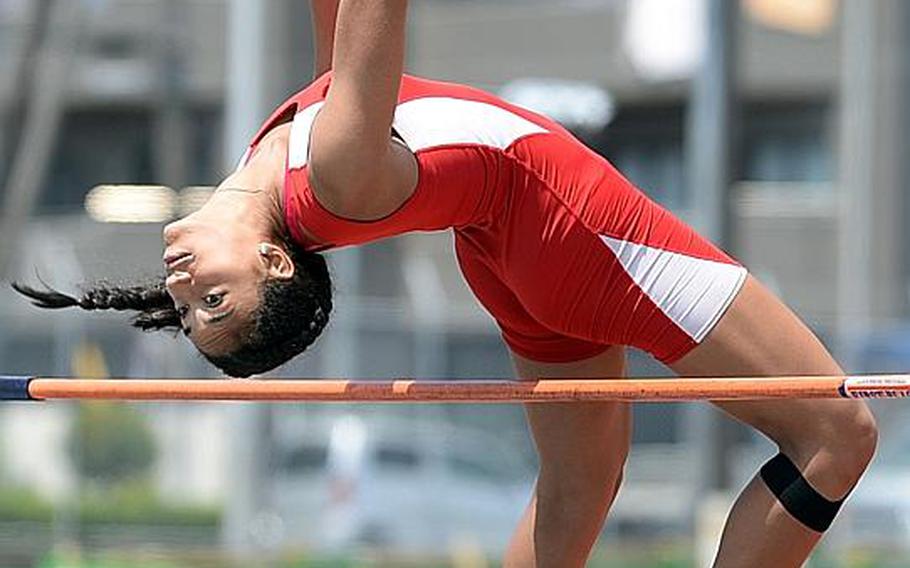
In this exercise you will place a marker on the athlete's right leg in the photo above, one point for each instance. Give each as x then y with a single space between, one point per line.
830 442
582 450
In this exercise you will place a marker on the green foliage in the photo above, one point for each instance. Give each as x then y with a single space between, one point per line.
58 560
110 443
136 503
132 503
21 504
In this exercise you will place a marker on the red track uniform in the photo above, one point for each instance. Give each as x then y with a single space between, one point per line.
565 253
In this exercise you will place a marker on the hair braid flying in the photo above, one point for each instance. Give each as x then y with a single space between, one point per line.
290 316
154 306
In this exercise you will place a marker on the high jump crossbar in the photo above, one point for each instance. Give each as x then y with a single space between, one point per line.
457 391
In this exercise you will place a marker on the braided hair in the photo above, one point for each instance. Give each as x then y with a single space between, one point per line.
156 310
290 316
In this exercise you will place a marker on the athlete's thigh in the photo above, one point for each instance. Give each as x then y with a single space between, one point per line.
580 438
760 336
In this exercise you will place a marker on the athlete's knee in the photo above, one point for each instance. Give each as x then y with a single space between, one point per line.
849 437
861 439
573 508
862 432
836 446
813 487
597 482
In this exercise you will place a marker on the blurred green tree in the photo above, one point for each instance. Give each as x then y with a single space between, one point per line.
110 443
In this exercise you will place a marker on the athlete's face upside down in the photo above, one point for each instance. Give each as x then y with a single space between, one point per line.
247 298
214 273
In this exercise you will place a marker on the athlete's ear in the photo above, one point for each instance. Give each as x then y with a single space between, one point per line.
278 263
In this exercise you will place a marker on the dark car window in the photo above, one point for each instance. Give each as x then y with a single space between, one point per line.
396 458
304 459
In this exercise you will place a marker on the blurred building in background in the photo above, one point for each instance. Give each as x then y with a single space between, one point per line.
140 96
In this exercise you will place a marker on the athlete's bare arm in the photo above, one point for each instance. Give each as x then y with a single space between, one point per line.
325 12
356 170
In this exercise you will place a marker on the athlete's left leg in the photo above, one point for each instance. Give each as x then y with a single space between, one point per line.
830 442
582 450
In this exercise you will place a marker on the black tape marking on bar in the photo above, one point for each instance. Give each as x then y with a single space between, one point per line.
842 390
15 388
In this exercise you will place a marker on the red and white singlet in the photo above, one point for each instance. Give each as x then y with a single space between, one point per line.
565 254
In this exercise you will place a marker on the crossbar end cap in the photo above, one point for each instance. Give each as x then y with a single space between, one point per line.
13 387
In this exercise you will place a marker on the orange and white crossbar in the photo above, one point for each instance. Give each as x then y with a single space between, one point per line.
455 391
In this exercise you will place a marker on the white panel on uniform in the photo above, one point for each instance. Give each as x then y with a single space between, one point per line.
440 121
299 140
693 292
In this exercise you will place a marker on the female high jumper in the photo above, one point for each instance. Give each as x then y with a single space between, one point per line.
570 259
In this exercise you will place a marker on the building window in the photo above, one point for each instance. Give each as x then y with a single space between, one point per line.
117 146
97 146
780 142
787 142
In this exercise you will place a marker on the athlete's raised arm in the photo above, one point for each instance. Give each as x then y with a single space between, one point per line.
356 170
325 13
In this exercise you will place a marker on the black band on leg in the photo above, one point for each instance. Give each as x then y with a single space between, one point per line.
799 498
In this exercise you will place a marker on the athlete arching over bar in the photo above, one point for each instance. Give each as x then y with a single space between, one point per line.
570 259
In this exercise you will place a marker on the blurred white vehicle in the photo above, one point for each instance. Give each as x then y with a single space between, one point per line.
352 481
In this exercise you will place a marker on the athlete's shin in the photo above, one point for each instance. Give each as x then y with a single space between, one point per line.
561 524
